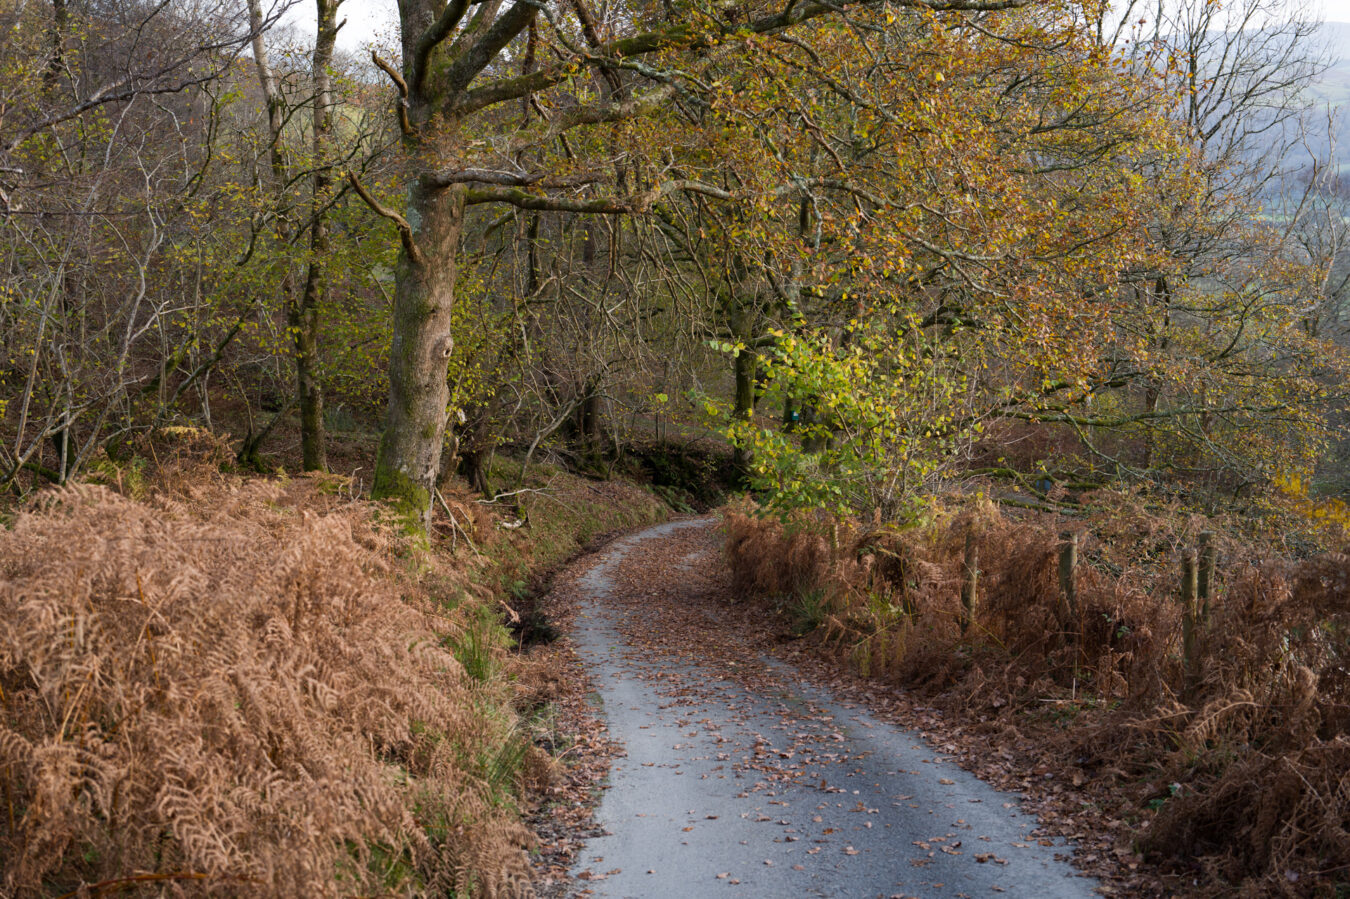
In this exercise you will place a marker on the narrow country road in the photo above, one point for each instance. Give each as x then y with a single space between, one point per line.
742 780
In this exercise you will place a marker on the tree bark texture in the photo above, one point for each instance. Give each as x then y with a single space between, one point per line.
419 395
305 316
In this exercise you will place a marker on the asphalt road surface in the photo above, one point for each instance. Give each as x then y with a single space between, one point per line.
741 780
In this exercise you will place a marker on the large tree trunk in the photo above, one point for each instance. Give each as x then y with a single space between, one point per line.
744 319
747 368
419 396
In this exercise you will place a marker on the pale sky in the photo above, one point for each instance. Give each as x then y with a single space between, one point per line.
367 21
1336 11
376 20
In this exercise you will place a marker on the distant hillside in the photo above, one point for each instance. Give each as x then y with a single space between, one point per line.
1334 86
1331 89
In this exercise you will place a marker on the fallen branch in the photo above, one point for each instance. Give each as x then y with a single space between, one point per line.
455 528
489 502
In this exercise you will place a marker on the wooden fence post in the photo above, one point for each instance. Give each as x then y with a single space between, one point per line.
1206 577
1190 613
970 582
1068 561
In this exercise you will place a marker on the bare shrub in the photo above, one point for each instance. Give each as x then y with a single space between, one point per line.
223 690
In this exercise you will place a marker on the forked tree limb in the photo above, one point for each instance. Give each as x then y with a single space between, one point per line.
405 231
480 55
639 202
404 124
445 23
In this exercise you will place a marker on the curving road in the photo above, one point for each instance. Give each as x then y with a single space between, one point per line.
742 780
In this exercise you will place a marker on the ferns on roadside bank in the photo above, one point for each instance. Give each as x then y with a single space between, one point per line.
233 689
1254 739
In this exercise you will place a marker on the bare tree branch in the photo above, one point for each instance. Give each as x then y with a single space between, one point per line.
405 231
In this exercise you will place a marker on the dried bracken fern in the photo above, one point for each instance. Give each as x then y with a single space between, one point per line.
1256 737
227 689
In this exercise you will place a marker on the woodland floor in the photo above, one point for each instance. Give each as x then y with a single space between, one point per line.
726 756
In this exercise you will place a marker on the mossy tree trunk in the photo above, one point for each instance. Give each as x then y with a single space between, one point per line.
419 394
304 316
445 46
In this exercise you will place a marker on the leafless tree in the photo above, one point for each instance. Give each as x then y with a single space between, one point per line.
103 115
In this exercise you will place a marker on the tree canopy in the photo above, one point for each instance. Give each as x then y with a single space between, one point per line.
868 241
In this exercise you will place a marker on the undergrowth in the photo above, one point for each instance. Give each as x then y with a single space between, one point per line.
557 515
228 686
1253 749
224 685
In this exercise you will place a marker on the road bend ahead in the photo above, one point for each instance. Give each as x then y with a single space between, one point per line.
742 780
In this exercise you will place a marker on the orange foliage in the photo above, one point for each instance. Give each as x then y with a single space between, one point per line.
231 690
